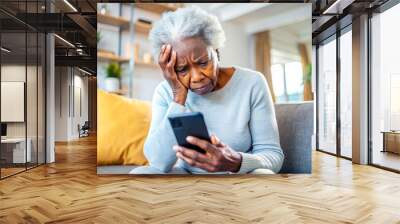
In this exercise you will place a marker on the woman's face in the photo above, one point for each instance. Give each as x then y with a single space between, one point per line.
196 65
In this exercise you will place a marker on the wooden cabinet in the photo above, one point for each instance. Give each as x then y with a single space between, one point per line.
391 142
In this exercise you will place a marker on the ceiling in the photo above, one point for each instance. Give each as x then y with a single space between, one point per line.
73 20
19 54
330 15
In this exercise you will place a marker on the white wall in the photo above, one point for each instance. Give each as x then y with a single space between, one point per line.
237 49
80 97
61 103
71 94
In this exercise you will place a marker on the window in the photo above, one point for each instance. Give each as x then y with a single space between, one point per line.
334 94
346 94
288 81
385 89
278 80
294 81
327 97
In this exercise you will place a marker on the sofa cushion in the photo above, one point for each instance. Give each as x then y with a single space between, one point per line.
295 123
123 125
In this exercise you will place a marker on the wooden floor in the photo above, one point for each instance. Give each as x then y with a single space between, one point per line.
69 191
10 171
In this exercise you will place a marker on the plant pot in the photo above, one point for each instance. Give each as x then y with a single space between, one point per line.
111 84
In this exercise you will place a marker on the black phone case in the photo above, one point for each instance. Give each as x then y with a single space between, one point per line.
189 124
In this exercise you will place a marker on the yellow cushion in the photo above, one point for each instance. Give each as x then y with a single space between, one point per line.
123 125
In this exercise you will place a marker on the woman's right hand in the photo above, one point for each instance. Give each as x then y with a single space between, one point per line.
167 60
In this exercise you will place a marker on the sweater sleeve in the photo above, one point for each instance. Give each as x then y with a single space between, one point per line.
265 151
158 145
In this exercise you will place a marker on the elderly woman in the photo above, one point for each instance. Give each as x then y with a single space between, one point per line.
235 102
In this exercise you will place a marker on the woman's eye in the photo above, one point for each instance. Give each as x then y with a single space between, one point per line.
180 70
203 63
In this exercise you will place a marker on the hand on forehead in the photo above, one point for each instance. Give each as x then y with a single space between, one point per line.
191 49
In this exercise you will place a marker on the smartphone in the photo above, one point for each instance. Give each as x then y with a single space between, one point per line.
189 124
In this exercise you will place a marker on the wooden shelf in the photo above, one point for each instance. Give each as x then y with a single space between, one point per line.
141 27
156 8
112 20
104 55
146 64
109 56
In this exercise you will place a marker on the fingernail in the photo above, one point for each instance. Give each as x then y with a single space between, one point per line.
163 47
189 138
175 147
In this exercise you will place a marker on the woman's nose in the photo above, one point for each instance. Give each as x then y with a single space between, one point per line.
196 76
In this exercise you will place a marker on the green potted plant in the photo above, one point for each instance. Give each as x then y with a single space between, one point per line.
113 72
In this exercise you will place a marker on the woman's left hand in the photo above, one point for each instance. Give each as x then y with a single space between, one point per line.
219 157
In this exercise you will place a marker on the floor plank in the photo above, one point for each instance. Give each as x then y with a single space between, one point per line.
69 191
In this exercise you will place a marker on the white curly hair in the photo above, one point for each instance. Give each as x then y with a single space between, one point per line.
183 23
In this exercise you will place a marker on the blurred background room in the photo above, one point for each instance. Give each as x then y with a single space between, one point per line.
274 39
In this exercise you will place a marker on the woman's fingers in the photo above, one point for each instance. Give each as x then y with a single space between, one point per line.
160 56
167 63
165 55
192 154
216 141
190 161
172 61
208 147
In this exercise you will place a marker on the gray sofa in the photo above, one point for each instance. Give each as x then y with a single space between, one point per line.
295 123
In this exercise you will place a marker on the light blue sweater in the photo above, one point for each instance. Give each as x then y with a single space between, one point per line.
241 115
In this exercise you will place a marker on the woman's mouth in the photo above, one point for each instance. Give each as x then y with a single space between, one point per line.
202 90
